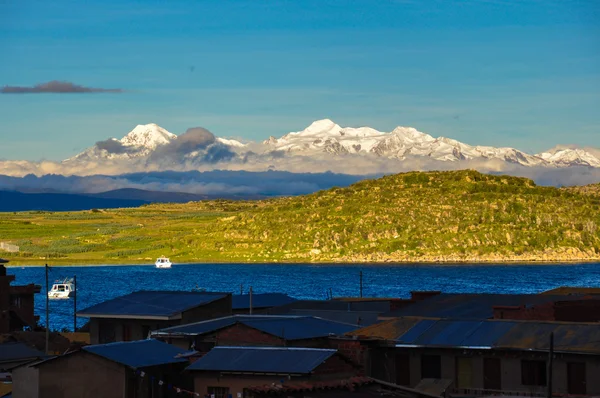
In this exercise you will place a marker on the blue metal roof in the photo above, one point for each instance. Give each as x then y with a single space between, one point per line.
576 337
138 354
150 304
260 300
18 352
283 326
280 360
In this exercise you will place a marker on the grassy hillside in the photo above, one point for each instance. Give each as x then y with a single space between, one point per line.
435 216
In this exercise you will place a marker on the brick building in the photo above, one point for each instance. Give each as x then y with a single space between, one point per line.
235 370
254 330
16 303
134 316
484 357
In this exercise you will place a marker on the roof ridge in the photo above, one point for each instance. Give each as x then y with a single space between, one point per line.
264 348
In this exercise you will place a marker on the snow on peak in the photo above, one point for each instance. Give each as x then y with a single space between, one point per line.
233 143
319 127
412 134
148 136
570 156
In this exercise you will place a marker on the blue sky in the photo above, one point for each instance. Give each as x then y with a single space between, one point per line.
524 74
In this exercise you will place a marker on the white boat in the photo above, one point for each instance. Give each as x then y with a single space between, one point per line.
163 262
62 289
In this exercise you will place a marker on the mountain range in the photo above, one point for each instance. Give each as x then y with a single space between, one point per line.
150 147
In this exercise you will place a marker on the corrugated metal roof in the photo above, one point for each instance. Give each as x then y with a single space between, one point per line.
151 304
260 300
470 306
278 360
359 318
499 334
283 326
138 354
378 306
567 291
17 352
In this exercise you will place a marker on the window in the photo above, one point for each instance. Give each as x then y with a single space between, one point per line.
533 373
431 367
219 392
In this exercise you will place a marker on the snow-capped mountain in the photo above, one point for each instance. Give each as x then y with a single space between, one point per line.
570 157
147 136
140 142
322 146
401 143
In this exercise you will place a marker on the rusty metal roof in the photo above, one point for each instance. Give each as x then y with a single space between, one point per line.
568 291
471 306
498 334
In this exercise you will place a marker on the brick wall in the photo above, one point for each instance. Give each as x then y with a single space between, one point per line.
336 366
240 334
353 350
542 312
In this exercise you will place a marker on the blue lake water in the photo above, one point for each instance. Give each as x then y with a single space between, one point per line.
99 283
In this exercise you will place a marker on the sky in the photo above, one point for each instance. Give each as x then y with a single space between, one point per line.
523 74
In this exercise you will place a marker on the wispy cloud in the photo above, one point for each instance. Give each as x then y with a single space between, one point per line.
57 87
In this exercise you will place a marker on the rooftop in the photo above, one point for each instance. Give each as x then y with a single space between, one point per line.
145 304
487 334
471 306
283 326
138 354
260 300
279 360
567 291
12 352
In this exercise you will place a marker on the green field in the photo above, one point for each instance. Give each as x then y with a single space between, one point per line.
457 216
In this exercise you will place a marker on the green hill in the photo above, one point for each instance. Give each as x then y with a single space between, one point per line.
417 216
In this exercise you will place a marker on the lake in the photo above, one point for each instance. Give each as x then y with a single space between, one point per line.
304 281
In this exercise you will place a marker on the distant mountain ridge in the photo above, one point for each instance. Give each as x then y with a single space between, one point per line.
322 146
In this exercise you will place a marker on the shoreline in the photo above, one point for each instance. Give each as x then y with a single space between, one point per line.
13 264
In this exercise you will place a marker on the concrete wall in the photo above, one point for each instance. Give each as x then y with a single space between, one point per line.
81 375
25 382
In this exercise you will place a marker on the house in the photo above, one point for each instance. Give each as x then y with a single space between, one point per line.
471 305
237 370
240 303
484 357
114 370
14 354
355 311
254 330
133 316
16 303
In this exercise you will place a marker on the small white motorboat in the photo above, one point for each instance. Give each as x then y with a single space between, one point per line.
62 289
163 262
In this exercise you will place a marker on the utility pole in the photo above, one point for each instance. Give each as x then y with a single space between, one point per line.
550 360
47 313
361 284
75 304
250 297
